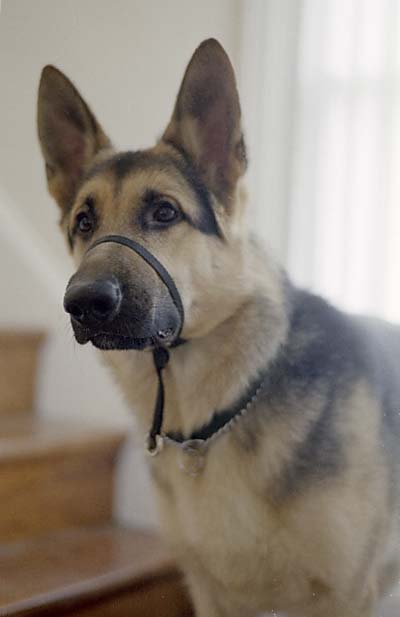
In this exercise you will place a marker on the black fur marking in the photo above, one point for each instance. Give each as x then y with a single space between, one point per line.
326 353
124 163
70 240
316 368
319 455
207 223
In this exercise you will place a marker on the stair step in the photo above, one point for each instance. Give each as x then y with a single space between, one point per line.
96 571
54 475
18 364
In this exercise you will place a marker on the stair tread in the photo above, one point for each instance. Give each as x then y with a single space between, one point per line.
30 436
76 565
19 359
11 338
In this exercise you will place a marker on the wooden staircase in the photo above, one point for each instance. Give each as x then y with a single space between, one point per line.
61 553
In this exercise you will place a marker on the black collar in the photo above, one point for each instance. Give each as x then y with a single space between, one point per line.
220 419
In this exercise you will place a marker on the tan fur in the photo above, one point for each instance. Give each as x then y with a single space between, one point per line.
244 546
298 556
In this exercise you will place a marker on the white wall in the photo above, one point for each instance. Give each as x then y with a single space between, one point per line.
268 65
127 58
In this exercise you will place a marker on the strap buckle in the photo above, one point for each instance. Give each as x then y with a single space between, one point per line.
154 444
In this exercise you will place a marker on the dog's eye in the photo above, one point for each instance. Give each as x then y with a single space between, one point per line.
84 224
165 213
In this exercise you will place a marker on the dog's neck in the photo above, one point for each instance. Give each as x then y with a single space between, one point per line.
211 372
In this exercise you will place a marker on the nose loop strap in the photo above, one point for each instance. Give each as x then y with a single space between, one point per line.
160 354
154 263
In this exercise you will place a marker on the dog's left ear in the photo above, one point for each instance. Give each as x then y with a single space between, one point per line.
206 122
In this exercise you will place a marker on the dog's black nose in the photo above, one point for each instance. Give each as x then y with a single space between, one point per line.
93 302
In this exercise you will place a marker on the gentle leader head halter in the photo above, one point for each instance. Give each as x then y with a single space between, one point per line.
160 353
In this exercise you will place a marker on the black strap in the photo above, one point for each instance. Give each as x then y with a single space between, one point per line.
160 358
154 263
160 354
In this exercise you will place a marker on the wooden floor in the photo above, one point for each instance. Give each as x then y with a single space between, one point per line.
62 554
93 571
54 475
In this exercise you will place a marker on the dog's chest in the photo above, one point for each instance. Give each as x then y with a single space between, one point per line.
220 525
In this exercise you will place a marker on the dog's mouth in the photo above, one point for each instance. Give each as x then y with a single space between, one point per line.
115 340
131 328
108 341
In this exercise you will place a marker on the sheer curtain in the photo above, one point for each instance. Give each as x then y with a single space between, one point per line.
339 198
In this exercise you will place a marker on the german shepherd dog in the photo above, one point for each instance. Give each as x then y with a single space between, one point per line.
277 482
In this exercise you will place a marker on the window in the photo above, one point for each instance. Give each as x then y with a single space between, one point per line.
320 85
344 208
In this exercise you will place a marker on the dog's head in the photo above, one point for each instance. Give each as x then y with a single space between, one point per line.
179 199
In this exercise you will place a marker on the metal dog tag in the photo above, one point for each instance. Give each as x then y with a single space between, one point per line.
193 456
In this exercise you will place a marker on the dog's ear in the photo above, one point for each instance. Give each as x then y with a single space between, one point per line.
69 134
206 122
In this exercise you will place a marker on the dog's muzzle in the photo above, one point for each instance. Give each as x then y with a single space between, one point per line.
157 266
102 303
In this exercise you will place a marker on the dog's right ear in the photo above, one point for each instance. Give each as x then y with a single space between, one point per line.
69 135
